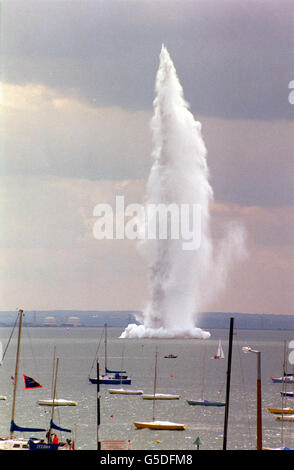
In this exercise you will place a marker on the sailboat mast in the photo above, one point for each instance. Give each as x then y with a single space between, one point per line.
105 347
54 395
53 370
16 369
155 380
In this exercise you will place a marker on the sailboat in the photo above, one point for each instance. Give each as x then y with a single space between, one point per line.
56 401
201 401
110 377
286 378
11 442
35 444
155 424
220 352
124 391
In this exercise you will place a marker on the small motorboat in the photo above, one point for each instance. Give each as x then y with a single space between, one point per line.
287 394
285 418
288 379
281 410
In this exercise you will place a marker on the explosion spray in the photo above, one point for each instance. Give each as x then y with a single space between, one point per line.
182 281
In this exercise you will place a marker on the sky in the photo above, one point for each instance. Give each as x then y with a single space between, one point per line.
77 99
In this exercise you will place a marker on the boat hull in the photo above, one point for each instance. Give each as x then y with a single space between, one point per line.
161 396
205 403
122 391
110 381
14 444
287 394
160 425
285 418
57 402
281 410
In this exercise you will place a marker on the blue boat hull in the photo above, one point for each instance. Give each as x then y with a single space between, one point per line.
111 381
287 394
42 446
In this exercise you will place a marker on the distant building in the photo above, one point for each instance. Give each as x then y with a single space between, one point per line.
50 321
73 321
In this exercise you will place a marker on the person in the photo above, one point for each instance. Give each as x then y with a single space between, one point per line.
55 439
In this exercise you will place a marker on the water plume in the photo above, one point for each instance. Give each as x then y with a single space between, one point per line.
182 281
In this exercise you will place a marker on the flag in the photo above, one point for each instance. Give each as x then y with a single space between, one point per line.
29 382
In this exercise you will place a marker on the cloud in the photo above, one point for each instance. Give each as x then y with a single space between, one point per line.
47 133
234 58
49 258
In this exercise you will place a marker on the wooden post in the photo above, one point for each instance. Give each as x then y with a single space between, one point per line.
259 406
154 388
228 384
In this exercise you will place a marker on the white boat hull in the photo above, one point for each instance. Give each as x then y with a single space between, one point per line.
57 402
123 391
14 444
161 396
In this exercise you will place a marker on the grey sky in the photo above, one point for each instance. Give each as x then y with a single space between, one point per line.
78 86
234 58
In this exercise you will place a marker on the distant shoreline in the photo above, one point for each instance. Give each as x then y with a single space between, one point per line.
121 318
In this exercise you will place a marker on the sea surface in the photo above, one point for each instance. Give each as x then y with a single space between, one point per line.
192 372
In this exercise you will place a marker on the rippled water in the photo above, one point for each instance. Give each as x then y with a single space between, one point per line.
185 375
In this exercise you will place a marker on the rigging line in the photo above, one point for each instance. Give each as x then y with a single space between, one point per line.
95 357
6 347
31 347
244 390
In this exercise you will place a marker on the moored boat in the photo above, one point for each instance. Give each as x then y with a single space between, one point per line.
160 396
288 379
123 391
11 442
155 424
205 403
286 417
57 402
159 425
111 377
